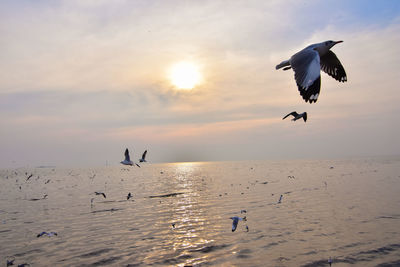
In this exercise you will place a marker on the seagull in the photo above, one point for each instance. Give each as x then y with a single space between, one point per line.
307 64
143 159
235 221
100 193
127 160
297 116
29 177
10 261
49 234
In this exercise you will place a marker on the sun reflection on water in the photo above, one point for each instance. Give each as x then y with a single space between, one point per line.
188 214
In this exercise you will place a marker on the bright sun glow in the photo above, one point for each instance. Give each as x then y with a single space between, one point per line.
185 75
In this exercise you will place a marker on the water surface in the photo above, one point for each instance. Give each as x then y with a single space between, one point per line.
179 214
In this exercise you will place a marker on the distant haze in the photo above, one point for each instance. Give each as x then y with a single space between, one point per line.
80 81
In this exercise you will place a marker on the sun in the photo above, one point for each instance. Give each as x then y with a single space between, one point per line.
185 75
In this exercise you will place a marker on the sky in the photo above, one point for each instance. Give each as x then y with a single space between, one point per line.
82 80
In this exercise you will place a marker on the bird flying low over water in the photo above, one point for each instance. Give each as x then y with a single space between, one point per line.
127 160
297 116
143 159
128 196
10 261
235 221
49 234
100 193
307 64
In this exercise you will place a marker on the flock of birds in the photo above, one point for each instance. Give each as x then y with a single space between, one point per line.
307 65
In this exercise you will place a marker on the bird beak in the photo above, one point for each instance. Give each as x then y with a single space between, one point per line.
338 42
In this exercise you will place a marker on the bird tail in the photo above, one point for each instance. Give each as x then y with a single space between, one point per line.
283 64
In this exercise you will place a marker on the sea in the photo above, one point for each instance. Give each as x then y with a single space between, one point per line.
342 212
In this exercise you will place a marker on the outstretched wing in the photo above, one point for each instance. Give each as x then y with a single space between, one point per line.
144 155
234 223
127 158
306 67
294 113
331 65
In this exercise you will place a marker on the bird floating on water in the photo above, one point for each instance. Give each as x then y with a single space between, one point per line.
307 64
297 116
127 160
143 159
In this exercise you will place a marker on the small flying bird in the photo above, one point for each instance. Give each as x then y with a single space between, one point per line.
29 177
127 160
10 261
235 221
143 159
307 64
280 199
129 196
49 234
297 116
100 193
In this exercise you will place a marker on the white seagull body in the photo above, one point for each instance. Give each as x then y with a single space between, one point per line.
143 159
127 160
307 64
297 116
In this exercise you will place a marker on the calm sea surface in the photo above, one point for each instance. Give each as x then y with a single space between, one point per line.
179 214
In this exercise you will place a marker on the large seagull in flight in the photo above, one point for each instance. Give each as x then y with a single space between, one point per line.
307 64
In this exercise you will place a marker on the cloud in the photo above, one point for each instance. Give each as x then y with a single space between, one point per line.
94 74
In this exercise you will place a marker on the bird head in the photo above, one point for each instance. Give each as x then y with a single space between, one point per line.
324 47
